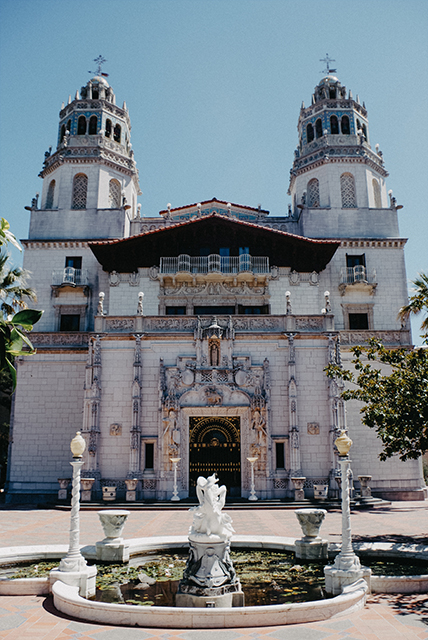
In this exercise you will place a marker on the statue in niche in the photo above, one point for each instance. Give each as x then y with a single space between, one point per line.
214 354
171 432
258 424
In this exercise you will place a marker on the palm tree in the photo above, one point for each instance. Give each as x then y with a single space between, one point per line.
13 287
418 302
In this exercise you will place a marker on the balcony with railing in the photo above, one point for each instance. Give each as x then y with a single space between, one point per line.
214 263
357 276
70 277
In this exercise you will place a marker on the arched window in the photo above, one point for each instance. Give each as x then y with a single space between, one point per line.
347 190
332 92
376 193
345 125
318 128
50 195
313 193
117 132
80 189
68 126
62 133
309 132
93 125
81 126
95 93
334 125
108 128
114 194
364 128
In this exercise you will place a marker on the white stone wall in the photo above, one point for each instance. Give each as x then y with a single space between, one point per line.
123 298
48 412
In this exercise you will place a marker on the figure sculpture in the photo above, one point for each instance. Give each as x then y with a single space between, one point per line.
207 516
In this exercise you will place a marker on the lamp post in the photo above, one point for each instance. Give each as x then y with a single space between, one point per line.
175 462
74 561
253 492
346 568
73 569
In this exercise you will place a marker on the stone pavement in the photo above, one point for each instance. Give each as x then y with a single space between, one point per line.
392 617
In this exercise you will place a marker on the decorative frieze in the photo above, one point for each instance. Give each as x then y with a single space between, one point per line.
391 338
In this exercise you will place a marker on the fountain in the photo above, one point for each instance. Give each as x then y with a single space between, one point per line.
209 579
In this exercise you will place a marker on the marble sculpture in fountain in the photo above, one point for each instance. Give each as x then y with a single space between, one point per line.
209 579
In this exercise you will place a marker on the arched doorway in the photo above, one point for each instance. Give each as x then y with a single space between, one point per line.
215 447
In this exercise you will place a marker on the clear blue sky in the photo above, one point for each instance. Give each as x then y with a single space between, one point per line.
214 89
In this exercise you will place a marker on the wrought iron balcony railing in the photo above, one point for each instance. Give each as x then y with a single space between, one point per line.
69 275
214 263
359 273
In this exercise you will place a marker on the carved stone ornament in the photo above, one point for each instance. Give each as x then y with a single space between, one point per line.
154 273
213 396
114 278
115 429
313 428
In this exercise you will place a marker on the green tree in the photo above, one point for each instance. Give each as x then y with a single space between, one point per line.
396 403
418 302
16 319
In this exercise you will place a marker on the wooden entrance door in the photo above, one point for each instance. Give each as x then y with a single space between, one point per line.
215 447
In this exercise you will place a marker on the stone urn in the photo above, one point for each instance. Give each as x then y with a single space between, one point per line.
86 489
310 521
299 493
63 483
113 548
311 546
113 521
131 489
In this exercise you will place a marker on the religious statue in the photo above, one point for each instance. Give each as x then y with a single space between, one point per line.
259 425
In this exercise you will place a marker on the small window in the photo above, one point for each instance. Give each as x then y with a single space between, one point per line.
206 311
376 194
50 195
345 125
332 93
149 455
175 311
62 134
95 93
355 261
69 126
81 126
318 128
114 194
80 188
93 122
334 125
310 132
347 189
364 128
108 128
70 322
253 310
313 193
224 251
280 457
75 262
244 251
358 321
117 132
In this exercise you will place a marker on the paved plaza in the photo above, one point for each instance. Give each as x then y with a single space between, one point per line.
393 617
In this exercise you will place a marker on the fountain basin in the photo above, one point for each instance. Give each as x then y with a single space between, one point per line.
67 600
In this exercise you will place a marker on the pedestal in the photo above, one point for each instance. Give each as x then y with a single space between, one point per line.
109 494
209 579
311 546
86 489
112 548
131 489
299 493
63 483
84 579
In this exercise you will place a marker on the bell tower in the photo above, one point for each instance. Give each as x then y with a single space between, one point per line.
90 182
337 181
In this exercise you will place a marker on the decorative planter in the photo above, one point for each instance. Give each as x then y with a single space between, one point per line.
109 494
112 548
320 491
86 489
131 489
299 493
63 483
311 546
366 492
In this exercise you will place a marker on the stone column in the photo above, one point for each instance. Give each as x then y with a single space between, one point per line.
293 428
135 443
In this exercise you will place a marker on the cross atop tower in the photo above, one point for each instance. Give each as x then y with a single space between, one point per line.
327 61
99 62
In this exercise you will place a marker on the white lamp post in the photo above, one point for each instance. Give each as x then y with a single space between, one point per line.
253 492
346 568
73 569
175 462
